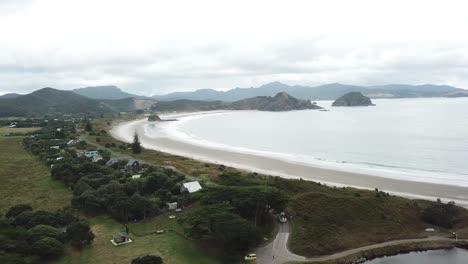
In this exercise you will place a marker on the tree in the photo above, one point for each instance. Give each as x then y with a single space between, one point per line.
79 233
136 145
17 210
88 126
41 231
48 247
149 259
441 214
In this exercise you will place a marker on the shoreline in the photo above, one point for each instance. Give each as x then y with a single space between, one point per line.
124 131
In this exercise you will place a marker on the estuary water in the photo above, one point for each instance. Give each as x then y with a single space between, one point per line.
451 256
424 139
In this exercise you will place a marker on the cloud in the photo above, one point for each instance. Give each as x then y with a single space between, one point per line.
154 47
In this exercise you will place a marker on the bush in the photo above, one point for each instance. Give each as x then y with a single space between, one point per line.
42 231
48 248
17 210
149 259
440 214
79 233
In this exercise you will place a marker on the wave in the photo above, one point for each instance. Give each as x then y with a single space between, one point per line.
171 130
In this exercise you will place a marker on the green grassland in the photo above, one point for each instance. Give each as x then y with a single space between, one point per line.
329 220
23 130
26 180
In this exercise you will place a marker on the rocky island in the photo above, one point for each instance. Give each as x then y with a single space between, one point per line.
353 99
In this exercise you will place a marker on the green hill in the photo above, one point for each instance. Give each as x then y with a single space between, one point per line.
280 102
53 102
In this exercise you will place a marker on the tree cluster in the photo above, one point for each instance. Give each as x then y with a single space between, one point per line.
28 233
440 214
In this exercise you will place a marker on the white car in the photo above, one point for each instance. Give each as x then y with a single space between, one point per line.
251 256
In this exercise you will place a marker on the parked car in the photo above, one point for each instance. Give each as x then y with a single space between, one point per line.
251 256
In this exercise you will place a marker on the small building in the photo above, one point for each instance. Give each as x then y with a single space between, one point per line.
13 125
133 166
121 238
134 177
91 154
190 187
55 147
59 158
72 143
172 206
430 229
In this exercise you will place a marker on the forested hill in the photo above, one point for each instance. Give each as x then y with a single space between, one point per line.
323 92
280 102
49 101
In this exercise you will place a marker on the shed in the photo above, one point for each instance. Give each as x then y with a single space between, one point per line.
133 166
190 187
172 206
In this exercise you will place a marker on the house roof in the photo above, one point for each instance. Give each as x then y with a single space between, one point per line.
192 186
130 162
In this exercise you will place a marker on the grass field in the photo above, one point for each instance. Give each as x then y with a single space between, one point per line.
328 220
6 130
26 180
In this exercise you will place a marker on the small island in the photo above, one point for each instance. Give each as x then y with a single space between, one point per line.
353 99
154 117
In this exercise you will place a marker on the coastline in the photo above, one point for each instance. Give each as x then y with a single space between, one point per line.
124 131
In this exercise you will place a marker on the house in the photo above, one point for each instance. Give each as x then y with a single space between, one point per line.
72 143
138 176
13 124
59 158
190 187
133 166
91 154
171 206
55 147
430 229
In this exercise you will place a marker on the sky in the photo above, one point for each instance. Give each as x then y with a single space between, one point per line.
157 47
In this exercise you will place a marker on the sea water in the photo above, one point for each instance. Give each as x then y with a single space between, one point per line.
423 139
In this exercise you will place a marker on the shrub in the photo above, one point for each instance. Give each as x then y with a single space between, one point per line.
48 248
41 231
17 210
149 259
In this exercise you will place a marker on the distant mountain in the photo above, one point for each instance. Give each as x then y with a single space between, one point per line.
105 92
322 92
51 101
10 95
280 102
353 99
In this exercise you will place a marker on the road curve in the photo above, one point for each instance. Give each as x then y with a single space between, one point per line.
277 252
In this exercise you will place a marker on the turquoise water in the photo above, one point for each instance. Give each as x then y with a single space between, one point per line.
452 256
412 139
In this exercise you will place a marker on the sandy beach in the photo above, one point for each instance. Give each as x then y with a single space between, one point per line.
267 165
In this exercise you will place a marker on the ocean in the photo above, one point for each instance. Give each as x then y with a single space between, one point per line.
422 139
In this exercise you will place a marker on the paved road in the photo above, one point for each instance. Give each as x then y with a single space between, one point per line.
277 251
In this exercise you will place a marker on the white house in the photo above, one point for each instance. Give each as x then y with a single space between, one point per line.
134 177
172 206
190 187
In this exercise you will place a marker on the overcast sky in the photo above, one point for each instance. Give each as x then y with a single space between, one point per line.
155 47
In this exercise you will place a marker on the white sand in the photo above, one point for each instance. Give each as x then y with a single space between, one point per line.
272 166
